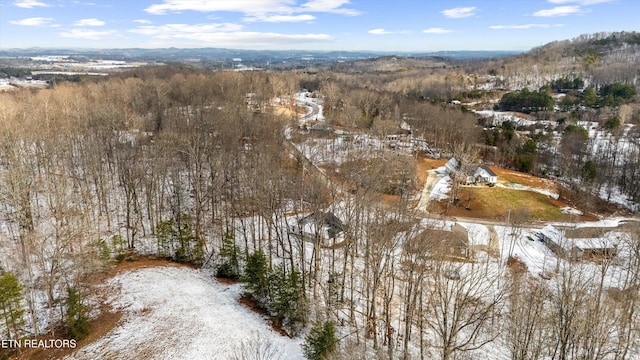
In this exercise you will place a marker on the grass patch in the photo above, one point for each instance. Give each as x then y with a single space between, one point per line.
494 203
524 179
500 200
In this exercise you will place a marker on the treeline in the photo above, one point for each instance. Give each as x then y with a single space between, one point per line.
526 101
563 84
598 59
560 145
91 171
609 95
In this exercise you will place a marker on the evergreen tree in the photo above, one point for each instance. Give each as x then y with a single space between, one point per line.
613 123
590 97
76 319
321 341
230 253
287 302
189 249
256 276
589 171
526 101
178 238
11 310
164 236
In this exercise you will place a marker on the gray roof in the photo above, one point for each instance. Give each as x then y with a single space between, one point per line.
488 170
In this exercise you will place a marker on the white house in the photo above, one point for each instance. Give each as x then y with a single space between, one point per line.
482 174
485 175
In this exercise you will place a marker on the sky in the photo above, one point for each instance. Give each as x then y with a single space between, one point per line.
375 25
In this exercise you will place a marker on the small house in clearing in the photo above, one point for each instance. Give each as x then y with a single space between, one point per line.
485 175
577 245
320 129
319 226
476 174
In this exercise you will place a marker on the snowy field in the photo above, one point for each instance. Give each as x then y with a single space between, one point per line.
182 313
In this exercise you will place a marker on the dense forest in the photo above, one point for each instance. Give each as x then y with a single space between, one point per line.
196 166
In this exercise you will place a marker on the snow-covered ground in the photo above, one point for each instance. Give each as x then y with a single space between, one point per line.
498 117
182 313
340 149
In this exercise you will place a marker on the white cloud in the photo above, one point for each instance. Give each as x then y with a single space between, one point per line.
224 35
89 22
459 12
558 11
244 6
256 8
257 38
90 34
34 21
329 6
581 2
142 21
247 39
436 30
30 4
280 18
379 32
386 32
179 30
525 26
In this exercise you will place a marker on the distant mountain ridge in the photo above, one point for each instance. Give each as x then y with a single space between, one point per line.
260 58
592 55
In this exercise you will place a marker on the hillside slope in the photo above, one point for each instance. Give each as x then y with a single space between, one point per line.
182 313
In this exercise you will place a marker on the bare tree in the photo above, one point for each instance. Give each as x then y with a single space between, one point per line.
526 330
414 265
257 348
568 300
461 302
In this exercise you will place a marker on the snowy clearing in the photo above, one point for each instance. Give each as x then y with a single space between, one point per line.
181 313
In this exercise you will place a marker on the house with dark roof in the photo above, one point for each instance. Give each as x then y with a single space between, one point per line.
481 174
321 129
484 175
319 226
